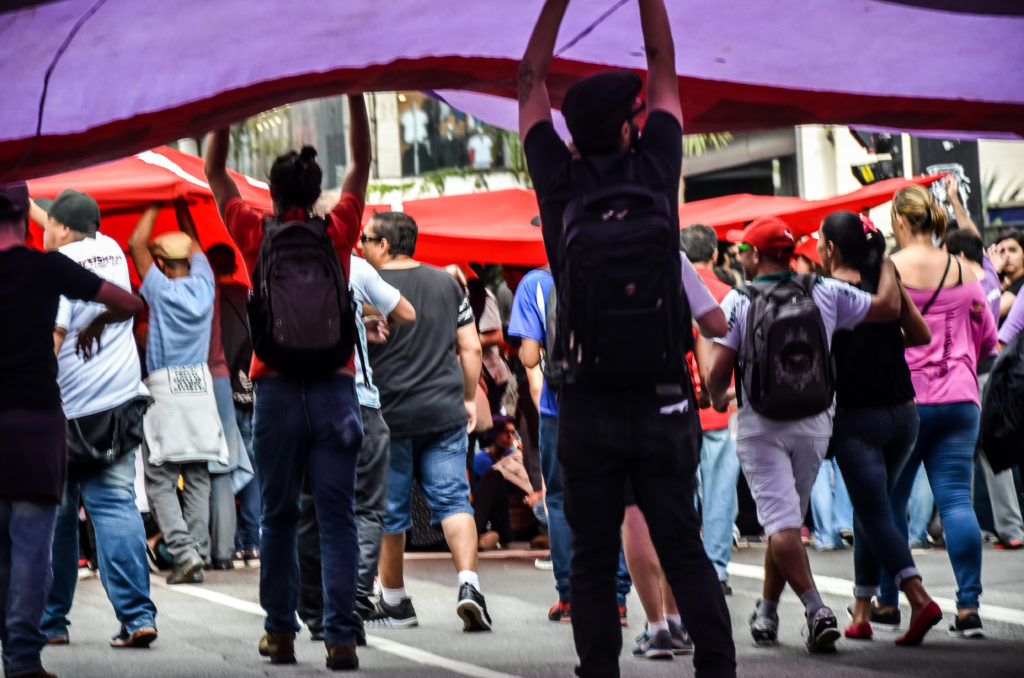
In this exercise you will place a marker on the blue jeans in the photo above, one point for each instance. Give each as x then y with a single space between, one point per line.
312 423
719 473
559 534
109 497
830 506
247 534
438 461
920 507
26 538
946 442
872 446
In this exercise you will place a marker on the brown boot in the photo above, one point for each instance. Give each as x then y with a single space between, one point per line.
341 657
280 647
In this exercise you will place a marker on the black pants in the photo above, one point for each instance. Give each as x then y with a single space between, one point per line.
490 505
643 437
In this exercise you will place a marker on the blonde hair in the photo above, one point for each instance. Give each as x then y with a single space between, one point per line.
918 207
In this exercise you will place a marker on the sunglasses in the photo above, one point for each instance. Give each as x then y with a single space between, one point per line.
744 247
369 238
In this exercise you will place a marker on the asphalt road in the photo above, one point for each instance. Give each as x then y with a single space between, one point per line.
212 629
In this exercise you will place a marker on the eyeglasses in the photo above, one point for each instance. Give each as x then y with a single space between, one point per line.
744 247
370 238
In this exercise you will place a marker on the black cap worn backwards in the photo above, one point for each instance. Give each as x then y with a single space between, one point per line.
77 211
596 106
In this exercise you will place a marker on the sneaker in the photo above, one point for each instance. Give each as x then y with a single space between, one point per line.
623 615
399 616
560 612
472 609
968 627
154 562
658 646
341 657
63 639
251 557
364 607
885 621
1011 545
183 572
822 631
223 564
681 643
918 548
544 563
144 637
280 647
726 589
764 629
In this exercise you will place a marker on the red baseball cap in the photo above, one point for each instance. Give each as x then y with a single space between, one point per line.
770 235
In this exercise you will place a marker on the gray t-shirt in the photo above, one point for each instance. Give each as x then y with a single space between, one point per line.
842 307
417 371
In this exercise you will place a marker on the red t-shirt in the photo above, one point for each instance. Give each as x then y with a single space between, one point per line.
710 419
246 228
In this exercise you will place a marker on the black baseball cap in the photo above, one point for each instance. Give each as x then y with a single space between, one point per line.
596 106
14 197
78 211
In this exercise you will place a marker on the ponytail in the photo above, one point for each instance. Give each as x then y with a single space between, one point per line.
859 243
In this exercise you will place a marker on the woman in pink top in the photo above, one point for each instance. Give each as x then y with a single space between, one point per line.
944 375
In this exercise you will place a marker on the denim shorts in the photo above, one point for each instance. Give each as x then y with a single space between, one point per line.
438 461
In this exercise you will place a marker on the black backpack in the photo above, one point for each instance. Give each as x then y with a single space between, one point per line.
786 366
301 312
622 317
1002 408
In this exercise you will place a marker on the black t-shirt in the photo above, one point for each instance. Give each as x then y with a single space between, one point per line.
1014 287
234 331
657 158
31 284
417 371
871 370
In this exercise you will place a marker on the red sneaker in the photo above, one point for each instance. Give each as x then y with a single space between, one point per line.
560 612
623 617
1011 545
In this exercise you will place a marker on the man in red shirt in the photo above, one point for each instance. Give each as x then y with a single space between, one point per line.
719 465
302 422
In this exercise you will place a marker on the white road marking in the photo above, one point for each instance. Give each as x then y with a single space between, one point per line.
407 652
844 587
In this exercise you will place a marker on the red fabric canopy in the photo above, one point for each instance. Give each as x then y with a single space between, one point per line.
490 227
124 188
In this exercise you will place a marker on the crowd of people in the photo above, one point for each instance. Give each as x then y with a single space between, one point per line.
292 428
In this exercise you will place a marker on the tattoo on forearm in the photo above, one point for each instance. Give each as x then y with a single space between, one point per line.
525 82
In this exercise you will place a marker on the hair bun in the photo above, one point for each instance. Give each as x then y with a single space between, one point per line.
307 154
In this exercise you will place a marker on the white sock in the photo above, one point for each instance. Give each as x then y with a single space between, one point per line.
654 627
675 618
393 596
469 577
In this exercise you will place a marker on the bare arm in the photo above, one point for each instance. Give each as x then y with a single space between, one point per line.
536 380
963 219
713 324
492 338
216 166
59 333
885 304
529 353
403 313
534 101
359 142
37 213
138 241
662 85
723 360
470 355
915 330
186 225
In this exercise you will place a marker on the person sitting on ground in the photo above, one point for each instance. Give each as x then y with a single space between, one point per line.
498 473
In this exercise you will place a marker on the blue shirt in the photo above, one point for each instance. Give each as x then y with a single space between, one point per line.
368 288
529 320
180 313
482 462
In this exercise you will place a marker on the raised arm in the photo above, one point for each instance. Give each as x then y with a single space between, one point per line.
359 142
138 241
662 85
963 219
186 225
534 101
216 166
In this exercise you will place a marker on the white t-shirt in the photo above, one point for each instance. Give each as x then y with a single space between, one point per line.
842 307
414 126
480 145
112 376
368 288
697 294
